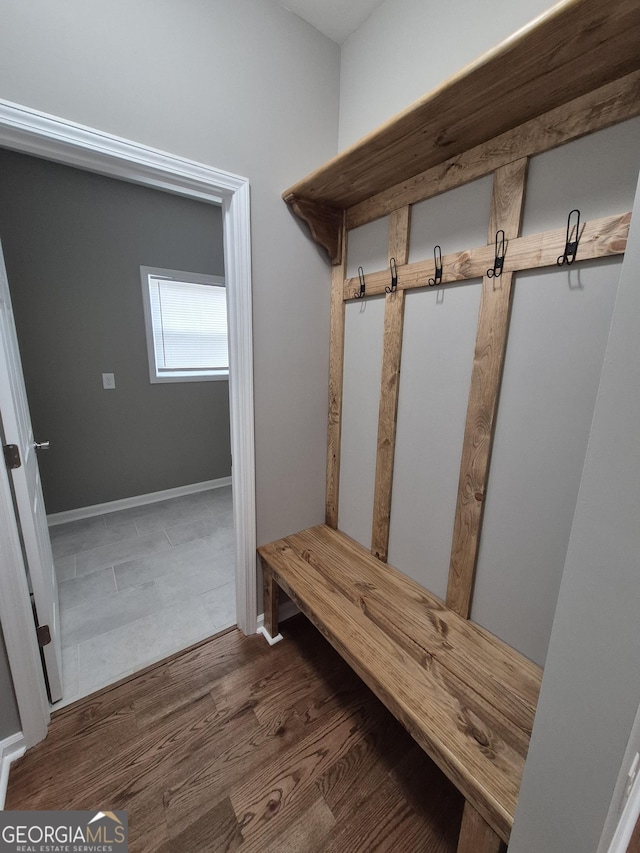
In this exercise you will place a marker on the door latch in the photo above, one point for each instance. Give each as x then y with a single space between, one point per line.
12 455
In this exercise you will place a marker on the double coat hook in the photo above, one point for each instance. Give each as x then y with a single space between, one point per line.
358 294
571 246
498 262
394 276
437 263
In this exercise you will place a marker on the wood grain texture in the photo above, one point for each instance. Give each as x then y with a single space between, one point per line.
491 341
399 235
606 106
537 69
387 422
399 231
420 623
336 378
475 835
599 238
325 224
270 590
236 746
466 698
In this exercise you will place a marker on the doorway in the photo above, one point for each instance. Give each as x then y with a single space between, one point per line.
138 578
31 132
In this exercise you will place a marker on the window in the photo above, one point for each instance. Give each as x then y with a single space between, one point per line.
186 324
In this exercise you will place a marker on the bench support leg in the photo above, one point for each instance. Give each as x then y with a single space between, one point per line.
476 836
271 590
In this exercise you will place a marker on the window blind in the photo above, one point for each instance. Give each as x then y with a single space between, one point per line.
189 325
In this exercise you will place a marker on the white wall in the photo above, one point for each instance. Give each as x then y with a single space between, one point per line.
247 87
591 691
408 47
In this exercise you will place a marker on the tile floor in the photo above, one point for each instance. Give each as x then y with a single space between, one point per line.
140 584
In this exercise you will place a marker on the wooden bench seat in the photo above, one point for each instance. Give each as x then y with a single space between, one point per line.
467 698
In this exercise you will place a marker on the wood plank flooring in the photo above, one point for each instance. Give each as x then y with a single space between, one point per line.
236 746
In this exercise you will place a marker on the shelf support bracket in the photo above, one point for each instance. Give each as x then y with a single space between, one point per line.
324 221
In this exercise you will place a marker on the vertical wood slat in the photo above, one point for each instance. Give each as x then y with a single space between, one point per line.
491 339
476 836
399 227
336 374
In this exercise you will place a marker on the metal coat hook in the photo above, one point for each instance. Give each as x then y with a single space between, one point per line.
358 294
394 276
437 262
571 246
498 263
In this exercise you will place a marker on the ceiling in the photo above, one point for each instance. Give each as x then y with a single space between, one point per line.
335 18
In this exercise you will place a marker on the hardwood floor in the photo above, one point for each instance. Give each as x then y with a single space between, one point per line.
234 745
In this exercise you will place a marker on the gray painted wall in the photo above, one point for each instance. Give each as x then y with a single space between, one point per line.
73 244
9 719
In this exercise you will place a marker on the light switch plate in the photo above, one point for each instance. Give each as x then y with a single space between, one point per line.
108 381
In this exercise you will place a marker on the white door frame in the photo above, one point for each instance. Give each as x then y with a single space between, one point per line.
32 132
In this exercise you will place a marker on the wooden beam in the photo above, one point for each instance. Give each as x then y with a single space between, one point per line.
606 106
336 371
491 341
399 234
599 238
476 836
399 228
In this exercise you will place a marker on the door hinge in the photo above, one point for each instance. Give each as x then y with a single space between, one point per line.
12 455
44 635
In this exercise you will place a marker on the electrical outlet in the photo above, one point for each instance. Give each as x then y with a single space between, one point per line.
108 381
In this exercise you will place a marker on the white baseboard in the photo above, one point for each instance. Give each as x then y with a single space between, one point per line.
136 500
11 748
286 610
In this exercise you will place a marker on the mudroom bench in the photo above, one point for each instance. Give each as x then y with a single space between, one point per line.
466 698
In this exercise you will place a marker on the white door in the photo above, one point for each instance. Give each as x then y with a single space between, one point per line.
32 517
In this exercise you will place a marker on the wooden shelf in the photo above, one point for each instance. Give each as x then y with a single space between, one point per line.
574 48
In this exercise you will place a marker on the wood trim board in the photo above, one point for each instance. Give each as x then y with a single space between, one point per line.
599 238
491 341
336 378
611 104
399 235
